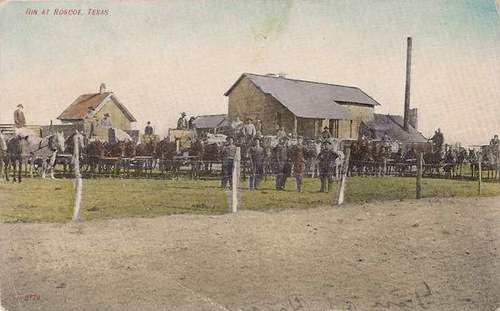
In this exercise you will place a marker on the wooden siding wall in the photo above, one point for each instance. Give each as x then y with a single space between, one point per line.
246 100
118 119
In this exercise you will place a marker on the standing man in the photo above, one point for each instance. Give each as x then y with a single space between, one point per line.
325 160
325 135
299 162
258 128
19 119
237 124
228 154
106 121
248 130
257 155
94 124
281 158
87 122
495 143
148 130
181 122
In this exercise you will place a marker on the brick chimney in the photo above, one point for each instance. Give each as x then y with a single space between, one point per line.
102 88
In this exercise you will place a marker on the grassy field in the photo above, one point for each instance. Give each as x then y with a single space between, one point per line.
38 200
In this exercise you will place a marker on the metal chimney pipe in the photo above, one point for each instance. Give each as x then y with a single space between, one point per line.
408 85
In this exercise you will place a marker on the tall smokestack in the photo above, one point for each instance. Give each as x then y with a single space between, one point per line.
408 85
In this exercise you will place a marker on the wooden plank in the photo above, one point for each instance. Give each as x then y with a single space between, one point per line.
236 180
419 175
343 179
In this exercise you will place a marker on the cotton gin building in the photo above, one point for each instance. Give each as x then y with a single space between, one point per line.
301 107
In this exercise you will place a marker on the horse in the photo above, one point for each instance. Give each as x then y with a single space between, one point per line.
196 155
14 156
93 153
433 162
491 159
165 153
3 153
211 153
32 150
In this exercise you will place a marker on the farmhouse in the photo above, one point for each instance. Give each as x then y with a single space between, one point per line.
301 107
103 103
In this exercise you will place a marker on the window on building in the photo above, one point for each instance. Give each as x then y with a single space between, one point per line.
278 119
350 129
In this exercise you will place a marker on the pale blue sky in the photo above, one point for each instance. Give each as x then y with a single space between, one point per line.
164 57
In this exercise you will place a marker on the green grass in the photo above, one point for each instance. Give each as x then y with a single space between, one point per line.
38 200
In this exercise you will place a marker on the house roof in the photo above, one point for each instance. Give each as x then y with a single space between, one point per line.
80 107
210 121
393 126
308 99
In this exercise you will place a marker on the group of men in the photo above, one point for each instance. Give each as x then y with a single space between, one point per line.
91 123
184 124
286 159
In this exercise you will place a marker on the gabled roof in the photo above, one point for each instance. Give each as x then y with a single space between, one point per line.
308 99
393 126
210 121
80 107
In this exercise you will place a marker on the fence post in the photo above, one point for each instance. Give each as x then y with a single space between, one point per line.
420 161
236 180
78 177
480 176
343 178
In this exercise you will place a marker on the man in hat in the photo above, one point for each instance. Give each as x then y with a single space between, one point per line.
237 124
495 144
182 122
299 162
87 122
248 130
325 135
106 121
326 159
19 119
228 154
438 140
257 157
282 163
148 130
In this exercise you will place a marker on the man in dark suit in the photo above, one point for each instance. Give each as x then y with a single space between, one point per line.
282 163
228 154
19 119
257 155
149 129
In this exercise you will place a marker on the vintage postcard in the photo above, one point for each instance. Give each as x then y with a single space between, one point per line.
257 155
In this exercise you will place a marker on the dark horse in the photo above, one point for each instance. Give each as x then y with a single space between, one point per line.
14 156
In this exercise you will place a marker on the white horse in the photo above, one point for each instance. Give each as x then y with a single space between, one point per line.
42 152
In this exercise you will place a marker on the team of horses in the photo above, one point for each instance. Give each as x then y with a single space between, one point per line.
128 159
378 158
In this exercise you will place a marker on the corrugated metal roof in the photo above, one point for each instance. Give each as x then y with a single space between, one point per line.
392 125
210 121
80 107
309 99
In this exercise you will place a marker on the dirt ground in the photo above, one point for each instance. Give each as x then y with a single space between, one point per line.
433 254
